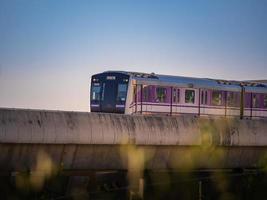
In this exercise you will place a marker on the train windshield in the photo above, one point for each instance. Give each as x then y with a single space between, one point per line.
96 89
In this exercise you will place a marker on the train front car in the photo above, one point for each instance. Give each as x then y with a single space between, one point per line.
109 92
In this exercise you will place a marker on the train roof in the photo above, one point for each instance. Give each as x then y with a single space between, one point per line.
259 86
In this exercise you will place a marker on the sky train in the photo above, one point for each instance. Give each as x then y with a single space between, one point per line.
141 93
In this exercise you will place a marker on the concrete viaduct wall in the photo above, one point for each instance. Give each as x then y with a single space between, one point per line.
77 140
58 127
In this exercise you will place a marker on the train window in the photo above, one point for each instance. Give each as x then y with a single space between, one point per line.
265 101
233 99
176 95
122 92
189 96
255 101
96 92
146 93
217 98
161 94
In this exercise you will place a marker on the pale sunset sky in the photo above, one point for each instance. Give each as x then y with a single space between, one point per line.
50 48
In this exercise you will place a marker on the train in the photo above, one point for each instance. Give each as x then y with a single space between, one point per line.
151 94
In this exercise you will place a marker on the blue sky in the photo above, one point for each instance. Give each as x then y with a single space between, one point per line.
49 49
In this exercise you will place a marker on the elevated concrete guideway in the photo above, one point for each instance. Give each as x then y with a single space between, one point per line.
98 141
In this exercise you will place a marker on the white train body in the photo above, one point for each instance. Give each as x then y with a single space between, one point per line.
140 93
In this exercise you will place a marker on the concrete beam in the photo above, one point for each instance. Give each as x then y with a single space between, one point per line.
60 127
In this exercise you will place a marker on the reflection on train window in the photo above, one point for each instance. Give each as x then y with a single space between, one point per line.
217 98
265 101
189 96
96 92
233 99
161 94
176 95
255 101
146 93
122 92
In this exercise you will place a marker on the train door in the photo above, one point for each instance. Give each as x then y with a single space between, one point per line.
175 100
109 94
203 101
